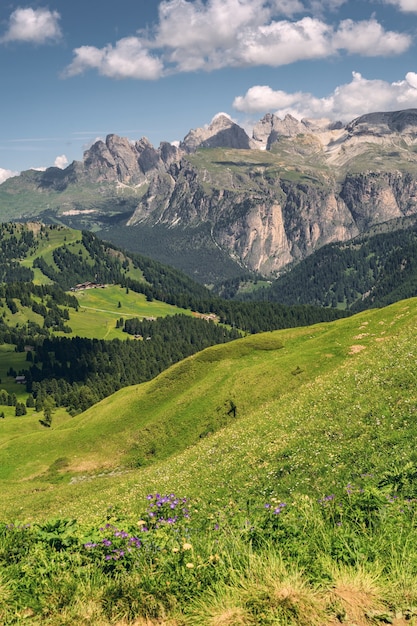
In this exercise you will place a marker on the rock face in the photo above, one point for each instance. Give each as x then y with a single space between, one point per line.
268 200
118 160
374 124
221 133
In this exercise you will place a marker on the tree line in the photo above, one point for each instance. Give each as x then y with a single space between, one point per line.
78 372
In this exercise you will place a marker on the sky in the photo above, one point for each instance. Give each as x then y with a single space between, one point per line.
73 71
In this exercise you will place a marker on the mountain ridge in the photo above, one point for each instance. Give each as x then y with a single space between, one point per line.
263 201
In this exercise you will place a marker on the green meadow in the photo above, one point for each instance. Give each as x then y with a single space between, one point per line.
100 309
270 480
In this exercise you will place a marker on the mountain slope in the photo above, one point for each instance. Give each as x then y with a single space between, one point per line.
262 202
371 270
300 510
183 406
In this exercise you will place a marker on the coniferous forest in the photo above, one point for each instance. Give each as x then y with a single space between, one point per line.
369 271
76 372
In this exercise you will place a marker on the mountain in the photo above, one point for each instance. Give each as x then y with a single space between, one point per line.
374 269
222 203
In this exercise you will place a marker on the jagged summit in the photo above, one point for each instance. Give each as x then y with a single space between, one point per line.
385 123
119 159
315 182
222 132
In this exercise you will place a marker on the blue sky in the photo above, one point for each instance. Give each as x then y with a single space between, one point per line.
73 71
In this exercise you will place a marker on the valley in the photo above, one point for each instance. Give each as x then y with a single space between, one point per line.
227 443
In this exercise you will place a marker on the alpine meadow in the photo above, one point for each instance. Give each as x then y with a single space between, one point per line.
208 380
268 479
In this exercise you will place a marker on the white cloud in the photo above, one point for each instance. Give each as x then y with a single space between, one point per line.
61 161
369 39
127 59
344 103
192 36
33 26
5 174
262 98
407 6
285 42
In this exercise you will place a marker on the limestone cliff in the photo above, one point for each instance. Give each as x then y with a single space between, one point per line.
266 200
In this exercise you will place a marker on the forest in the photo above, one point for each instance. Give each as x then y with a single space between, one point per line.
369 271
76 372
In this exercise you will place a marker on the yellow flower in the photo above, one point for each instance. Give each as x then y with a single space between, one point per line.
187 546
189 565
141 522
175 549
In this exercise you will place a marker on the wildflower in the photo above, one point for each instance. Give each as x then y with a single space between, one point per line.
175 550
189 565
187 546
279 508
141 522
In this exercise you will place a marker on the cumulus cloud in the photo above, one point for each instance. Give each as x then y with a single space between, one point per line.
192 36
5 174
407 6
369 39
61 161
33 26
127 59
345 103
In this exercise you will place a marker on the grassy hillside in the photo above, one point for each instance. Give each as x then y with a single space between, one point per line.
191 401
100 309
298 507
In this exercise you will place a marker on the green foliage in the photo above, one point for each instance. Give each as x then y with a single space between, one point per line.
89 370
299 509
370 271
181 553
20 409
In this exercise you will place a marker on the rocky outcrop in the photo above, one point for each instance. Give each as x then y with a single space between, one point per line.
118 160
379 124
221 133
315 182
374 198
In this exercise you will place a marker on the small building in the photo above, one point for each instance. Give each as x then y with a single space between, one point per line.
20 380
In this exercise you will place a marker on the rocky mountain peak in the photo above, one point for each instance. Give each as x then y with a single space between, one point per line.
98 160
124 156
222 132
384 123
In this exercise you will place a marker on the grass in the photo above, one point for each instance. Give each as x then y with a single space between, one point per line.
301 508
101 308
96 317
190 402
